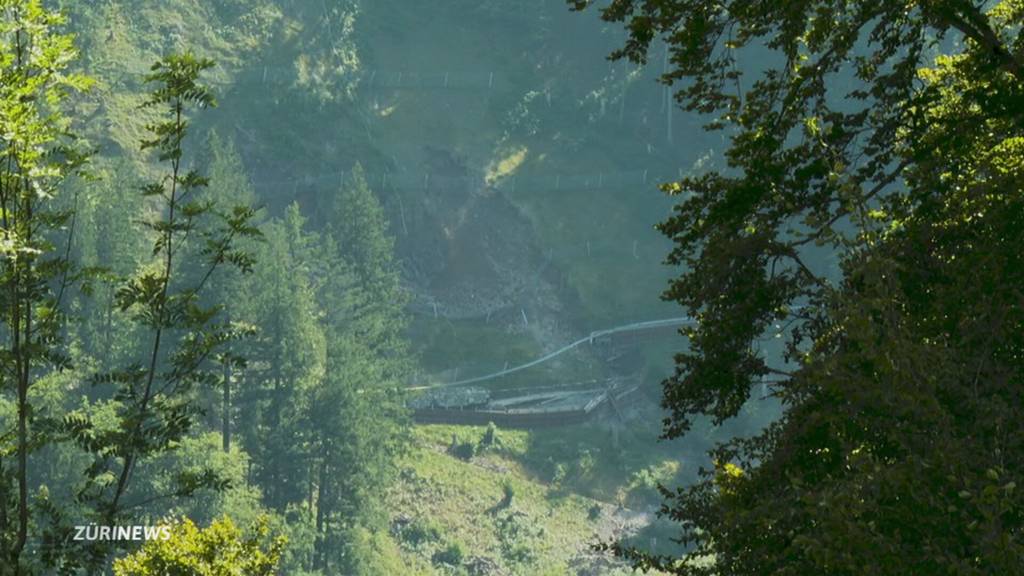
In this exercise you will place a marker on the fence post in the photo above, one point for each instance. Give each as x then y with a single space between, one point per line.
401 211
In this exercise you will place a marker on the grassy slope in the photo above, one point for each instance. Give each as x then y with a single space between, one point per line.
462 500
573 484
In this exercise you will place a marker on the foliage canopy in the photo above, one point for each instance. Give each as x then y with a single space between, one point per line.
888 133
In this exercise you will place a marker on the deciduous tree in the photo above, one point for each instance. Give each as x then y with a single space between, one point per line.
899 449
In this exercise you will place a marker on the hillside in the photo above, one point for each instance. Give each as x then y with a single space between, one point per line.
518 174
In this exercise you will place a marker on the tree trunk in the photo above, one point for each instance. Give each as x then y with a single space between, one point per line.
226 408
321 499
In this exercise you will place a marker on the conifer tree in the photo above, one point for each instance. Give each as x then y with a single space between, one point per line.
229 186
109 244
358 412
288 355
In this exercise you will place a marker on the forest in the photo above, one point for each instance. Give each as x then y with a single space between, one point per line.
511 288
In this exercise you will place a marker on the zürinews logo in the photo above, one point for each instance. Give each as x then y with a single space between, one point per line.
138 533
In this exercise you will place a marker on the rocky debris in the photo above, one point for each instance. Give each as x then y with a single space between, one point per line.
596 564
484 566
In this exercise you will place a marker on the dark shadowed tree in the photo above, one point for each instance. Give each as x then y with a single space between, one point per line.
890 134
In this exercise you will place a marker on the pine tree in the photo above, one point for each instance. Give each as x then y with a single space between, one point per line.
229 186
109 244
358 413
357 239
288 360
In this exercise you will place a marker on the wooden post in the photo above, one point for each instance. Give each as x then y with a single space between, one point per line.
668 124
401 212
622 104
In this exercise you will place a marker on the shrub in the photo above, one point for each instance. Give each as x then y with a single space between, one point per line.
490 438
452 554
463 451
420 531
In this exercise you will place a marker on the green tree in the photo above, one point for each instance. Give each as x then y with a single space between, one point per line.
110 244
229 186
218 550
327 65
899 450
197 454
357 415
38 154
289 358
154 404
358 240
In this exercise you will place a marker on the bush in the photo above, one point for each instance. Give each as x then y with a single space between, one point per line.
490 438
509 492
370 553
560 473
419 532
519 537
644 483
221 549
452 555
463 451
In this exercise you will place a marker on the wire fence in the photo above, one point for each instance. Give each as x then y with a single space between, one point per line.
368 79
529 182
